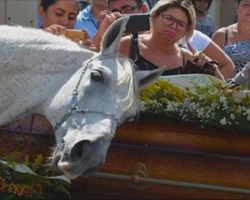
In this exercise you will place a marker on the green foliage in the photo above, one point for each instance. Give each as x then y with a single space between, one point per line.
16 185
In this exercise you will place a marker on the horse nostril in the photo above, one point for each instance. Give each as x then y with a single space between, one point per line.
78 150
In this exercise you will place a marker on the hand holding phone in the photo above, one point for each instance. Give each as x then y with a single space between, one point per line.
138 23
75 35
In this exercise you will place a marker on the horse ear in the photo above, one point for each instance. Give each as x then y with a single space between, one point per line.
146 77
111 41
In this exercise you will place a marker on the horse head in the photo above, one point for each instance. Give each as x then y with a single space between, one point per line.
103 94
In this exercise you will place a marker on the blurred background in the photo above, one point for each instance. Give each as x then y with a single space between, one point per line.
25 12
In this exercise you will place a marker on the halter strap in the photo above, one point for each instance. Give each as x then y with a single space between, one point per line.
75 110
74 100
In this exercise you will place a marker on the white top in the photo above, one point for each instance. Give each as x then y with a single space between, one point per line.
199 41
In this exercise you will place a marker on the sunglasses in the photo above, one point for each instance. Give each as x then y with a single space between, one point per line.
126 9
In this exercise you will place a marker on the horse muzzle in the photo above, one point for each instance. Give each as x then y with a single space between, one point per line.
84 157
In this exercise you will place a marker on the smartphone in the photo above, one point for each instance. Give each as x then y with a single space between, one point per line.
137 23
75 35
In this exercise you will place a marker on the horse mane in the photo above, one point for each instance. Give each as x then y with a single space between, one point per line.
127 79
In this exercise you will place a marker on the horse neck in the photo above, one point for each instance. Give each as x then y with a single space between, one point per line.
37 52
33 62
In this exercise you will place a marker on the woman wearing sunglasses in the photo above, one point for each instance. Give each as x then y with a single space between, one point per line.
171 20
127 6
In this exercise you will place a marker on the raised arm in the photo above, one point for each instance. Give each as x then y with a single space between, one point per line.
105 21
226 65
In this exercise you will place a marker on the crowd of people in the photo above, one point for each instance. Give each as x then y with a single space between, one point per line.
182 34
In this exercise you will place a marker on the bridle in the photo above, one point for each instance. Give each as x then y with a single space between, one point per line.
74 100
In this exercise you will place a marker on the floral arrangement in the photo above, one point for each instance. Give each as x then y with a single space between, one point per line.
216 104
26 181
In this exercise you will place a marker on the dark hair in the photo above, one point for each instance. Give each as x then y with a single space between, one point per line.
47 3
209 3
238 2
139 2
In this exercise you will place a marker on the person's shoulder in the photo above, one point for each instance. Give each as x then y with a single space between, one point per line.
126 38
85 13
199 40
125 45
210 17
223 30
83 23
219 36
126 42
85 20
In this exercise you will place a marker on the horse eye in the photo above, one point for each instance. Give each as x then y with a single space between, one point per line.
96 75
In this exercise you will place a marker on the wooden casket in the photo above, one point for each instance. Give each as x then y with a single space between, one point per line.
154 159
160 159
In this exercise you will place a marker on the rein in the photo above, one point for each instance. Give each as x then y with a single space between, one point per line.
74 107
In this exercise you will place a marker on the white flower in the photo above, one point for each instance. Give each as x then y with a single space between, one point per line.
248 117
223 121
225 106
214 105
200 112
222 99
170 107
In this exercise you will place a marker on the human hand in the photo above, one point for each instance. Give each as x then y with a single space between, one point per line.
75 35
55 29
89 45
199 57
209 65
106 19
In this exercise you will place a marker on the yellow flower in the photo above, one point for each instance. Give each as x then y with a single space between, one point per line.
2 184
163 100
199 104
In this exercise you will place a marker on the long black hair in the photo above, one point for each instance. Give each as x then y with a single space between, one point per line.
47 3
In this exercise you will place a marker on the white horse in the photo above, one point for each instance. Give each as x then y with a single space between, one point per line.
243 77
84 95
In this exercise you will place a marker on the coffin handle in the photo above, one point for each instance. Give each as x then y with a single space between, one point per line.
138 174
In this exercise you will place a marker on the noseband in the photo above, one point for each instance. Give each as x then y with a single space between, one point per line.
74 100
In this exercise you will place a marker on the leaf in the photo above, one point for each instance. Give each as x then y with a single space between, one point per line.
21 168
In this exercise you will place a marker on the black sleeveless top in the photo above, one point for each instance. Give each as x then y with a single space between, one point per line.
144 64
